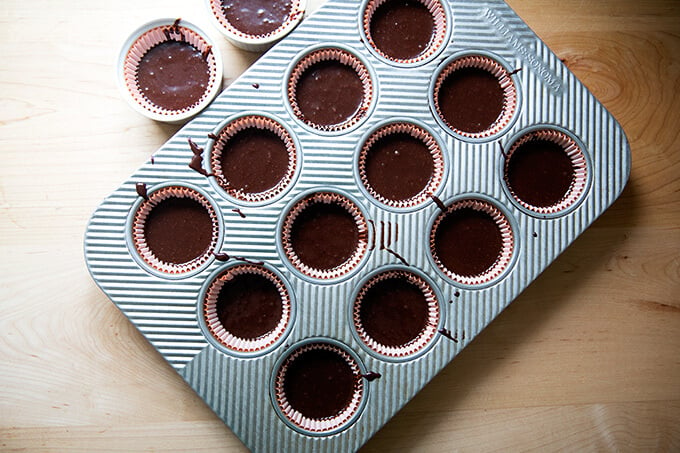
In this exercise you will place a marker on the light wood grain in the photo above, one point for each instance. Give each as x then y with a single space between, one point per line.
586 359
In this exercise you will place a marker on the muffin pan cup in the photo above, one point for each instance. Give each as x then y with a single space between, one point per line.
138 238
441 31
317 426
579 165
331 53
234 343
320 199
254 123
415 131
489 65
241 387
506 248
421 342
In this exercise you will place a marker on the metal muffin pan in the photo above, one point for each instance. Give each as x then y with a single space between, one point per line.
167 309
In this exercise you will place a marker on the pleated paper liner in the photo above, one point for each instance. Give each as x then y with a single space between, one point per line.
256 30
311 357
145 39
254 125
430 187
325 200
502 232
381 13
337 93
455 116
246 278
571 152
396 314
154 258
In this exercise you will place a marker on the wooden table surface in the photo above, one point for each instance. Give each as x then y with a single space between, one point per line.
587 358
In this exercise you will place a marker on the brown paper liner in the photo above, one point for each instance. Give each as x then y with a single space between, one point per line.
507 85
315 425
438 34
139 238
254 122
578 162
294 16
426 335
352 261
230 341
437 159
507 235
152 38
345 58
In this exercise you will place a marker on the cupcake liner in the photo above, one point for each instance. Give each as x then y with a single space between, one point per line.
437 158
344 268
426 335
157 34
256 122
230 341
578 162
256 42
346 58
438 34
504 257
139 237
153 35
507 85
323 425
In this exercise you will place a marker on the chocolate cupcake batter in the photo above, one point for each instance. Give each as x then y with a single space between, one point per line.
394 311
329 92
402 29
540 173
256 17
249 305
470 99
399 166
324 235
319 383
468 242
173 75
178 230
254 160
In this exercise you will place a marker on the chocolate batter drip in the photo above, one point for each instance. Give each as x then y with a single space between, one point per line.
371 376
141 190
396 255
440 204
226 257
196 163
447 333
